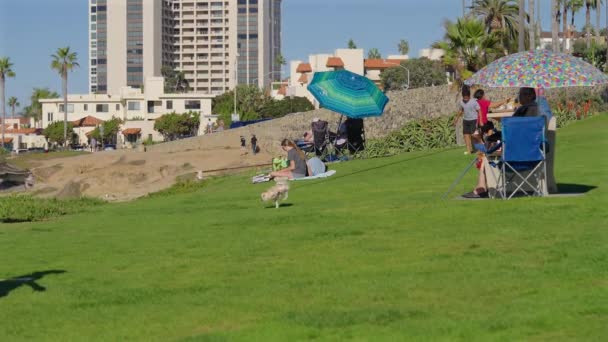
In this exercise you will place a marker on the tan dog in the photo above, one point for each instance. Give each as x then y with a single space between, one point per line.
278 192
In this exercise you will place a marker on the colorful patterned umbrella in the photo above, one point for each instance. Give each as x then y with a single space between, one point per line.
538 69
347 93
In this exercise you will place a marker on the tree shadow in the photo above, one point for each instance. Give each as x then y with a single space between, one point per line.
8 285
565 188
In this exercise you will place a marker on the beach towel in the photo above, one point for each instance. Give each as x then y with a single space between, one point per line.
321 175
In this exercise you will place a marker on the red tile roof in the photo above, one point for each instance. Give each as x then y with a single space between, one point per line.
382 63
304 67
129 131
7 140
87 121
303 79
23 131
335 62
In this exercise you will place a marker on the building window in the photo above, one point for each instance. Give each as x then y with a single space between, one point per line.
101 108
70 108
117 106
169 104
86 107
133 105
191 104
49 117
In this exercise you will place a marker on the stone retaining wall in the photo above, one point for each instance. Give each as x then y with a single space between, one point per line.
403 106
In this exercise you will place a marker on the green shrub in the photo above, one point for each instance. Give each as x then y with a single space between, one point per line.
21 208
416 135
183 185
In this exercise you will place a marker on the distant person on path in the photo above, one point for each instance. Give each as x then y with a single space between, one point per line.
254 144
209 126
485 105
472 113
297 162
243 145
527 99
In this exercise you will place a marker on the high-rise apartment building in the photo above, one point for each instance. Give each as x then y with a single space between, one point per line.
212 42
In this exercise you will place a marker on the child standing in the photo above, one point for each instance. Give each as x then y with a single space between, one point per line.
472 114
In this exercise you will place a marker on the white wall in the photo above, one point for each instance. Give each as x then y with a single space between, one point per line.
117 45
353 60
152 29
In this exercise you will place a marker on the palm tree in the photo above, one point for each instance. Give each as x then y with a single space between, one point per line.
521 26
598 16
468 47
554 26
5 72
280 60
34 110
500 17
13 102
64 61
404 47
374 54
532 30
589 4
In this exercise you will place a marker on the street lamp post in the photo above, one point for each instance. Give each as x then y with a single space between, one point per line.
268 74
402 67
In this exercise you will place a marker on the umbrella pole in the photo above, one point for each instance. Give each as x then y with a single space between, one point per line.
459 178
335 142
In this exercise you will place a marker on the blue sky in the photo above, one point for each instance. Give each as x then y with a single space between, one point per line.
31 30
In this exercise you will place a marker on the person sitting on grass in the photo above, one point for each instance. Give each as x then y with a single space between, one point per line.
297 162
487 143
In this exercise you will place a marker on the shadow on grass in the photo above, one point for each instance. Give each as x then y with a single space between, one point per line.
281 205
334 178
8 285
565 188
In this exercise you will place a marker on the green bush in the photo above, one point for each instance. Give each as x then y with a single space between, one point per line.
416 135
20 208
183 185
423 73
110 129
176 126
54 132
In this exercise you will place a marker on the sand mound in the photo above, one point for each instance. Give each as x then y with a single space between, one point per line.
126 175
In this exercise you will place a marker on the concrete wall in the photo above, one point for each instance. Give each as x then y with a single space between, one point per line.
403 106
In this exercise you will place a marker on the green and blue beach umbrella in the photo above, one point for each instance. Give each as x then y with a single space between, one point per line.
347 93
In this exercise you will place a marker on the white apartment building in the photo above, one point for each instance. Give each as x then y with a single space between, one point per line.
137 109
213 42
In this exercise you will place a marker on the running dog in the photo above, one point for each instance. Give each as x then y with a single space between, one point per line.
278 192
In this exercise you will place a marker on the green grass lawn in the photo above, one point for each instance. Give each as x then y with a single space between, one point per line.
370 254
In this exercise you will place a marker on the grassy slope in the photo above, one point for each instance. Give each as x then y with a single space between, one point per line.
369 254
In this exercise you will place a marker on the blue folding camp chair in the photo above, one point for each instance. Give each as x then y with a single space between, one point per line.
522 163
